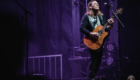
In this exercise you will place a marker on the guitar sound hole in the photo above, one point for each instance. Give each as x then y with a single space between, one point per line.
100 33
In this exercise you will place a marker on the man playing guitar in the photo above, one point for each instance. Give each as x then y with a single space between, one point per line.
89 23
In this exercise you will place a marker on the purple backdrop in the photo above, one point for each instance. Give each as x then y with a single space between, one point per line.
50 31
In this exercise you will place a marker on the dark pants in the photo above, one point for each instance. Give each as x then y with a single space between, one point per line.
95 60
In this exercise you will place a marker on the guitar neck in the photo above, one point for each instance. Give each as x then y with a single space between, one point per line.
119 11
106 24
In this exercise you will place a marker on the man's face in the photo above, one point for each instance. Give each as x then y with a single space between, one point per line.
95 5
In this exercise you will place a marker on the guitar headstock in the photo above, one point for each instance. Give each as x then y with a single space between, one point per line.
119 11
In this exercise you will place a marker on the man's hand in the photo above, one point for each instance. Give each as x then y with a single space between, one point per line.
94 35
111 22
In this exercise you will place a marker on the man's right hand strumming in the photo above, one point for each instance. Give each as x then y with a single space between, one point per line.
94 35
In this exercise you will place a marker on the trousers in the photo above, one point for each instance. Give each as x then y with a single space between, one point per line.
95 60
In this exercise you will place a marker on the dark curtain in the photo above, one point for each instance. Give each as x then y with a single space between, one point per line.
129 37
49 30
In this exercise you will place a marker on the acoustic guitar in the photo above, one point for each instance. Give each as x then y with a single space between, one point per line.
95 44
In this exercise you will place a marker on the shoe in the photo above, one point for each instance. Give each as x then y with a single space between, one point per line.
90 78
93 79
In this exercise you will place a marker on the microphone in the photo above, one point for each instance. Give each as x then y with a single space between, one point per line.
108 4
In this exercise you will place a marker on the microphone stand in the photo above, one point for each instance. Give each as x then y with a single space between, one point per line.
119 22
26 34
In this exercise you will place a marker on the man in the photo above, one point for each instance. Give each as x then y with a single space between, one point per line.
89 22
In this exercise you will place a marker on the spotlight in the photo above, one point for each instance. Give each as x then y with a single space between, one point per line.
131 77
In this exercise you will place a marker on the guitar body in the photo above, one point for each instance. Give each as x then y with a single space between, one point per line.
95 44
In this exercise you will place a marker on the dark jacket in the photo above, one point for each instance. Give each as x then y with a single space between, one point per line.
86 27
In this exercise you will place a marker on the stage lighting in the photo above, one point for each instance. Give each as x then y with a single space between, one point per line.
131 77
